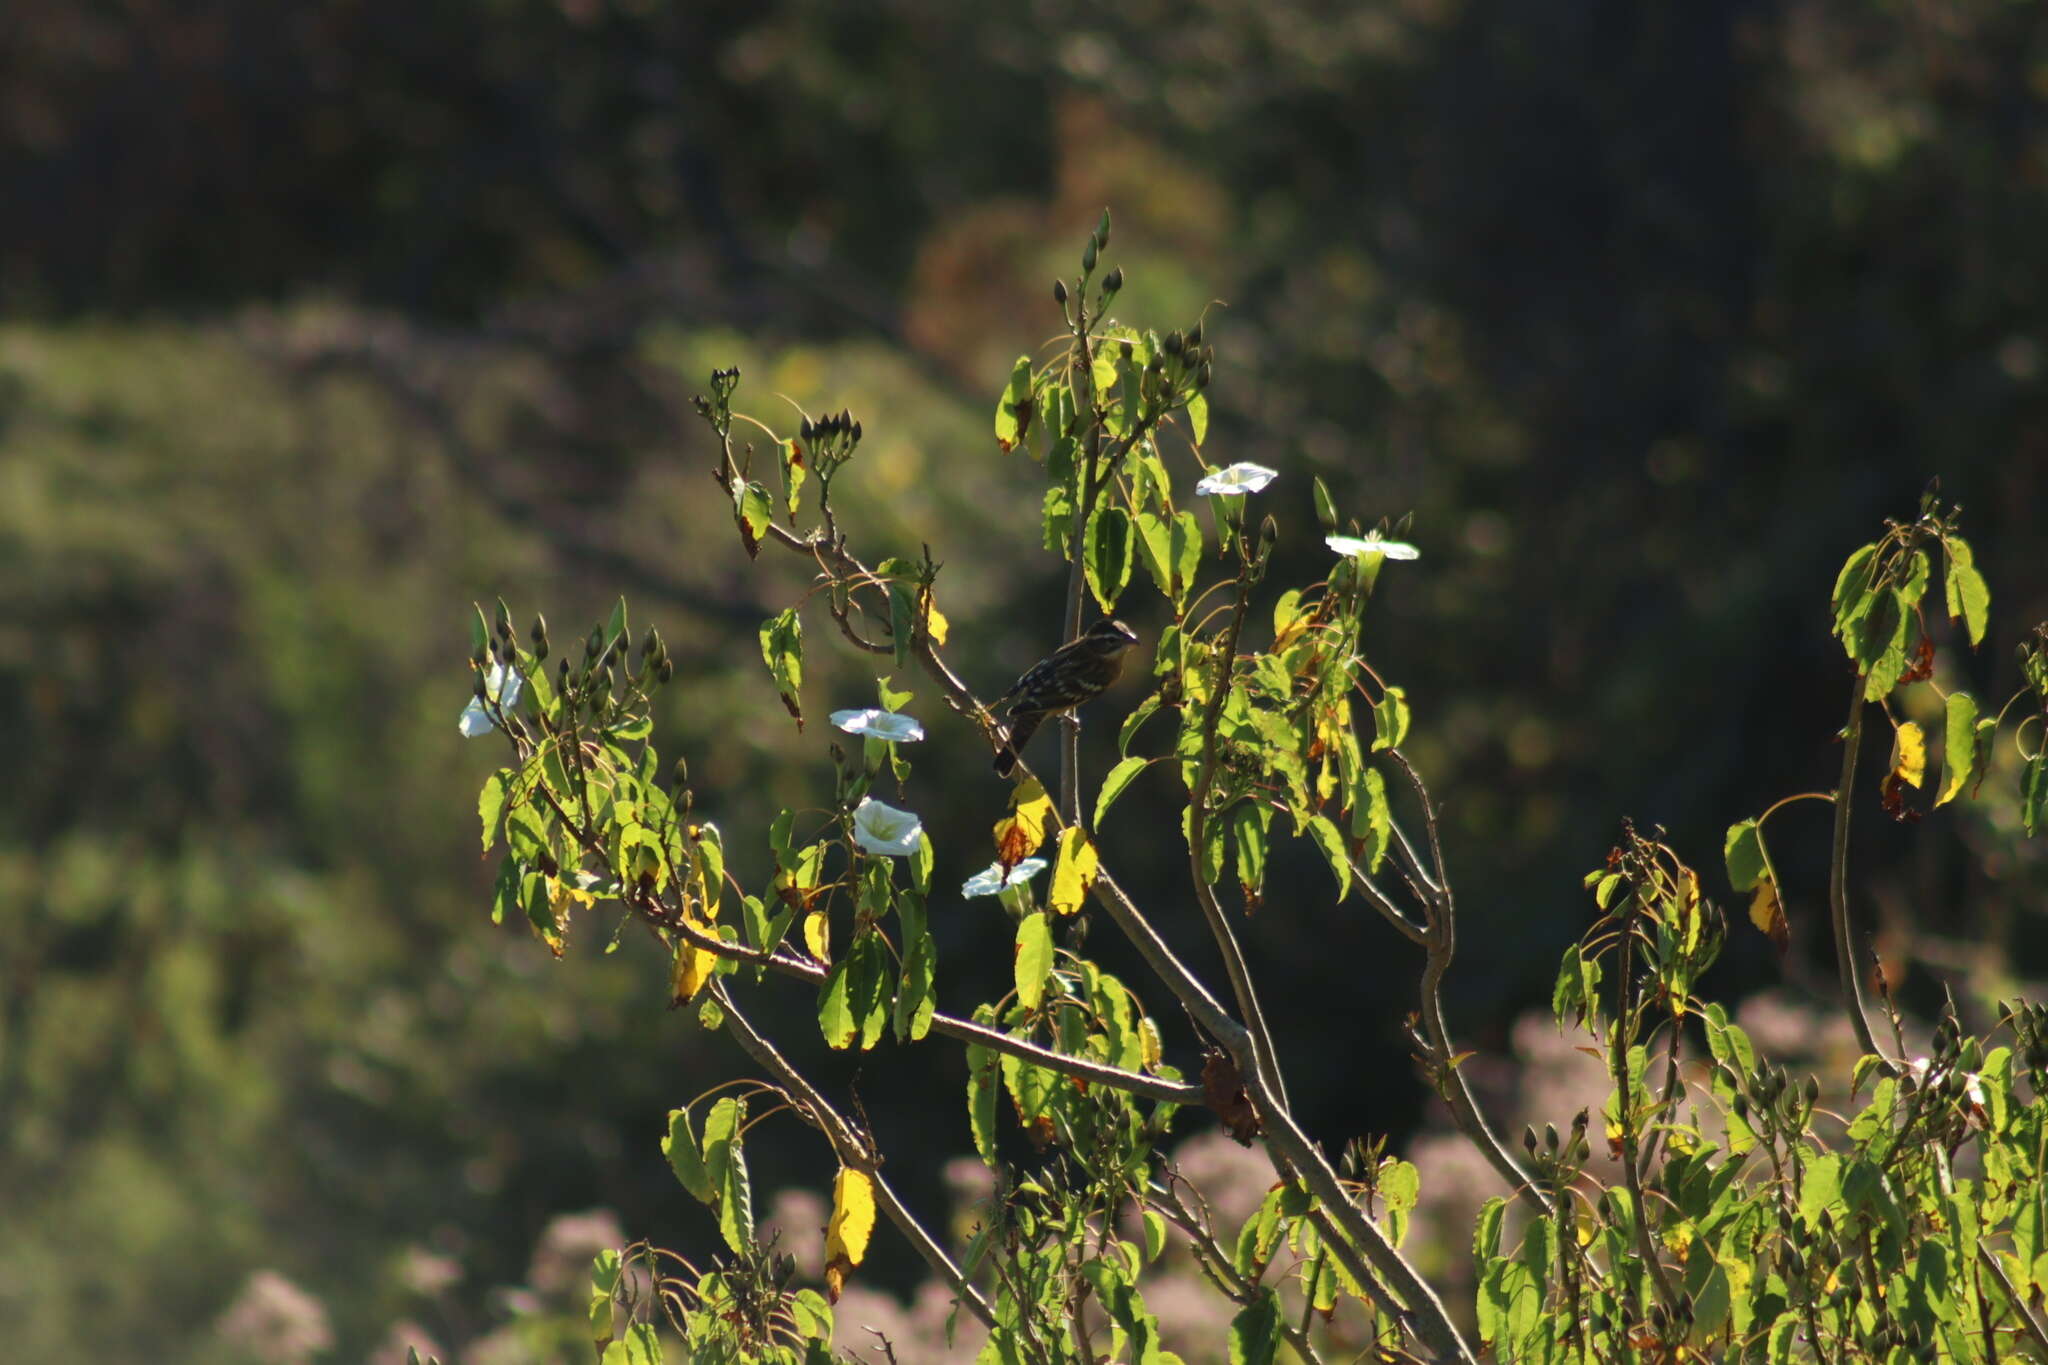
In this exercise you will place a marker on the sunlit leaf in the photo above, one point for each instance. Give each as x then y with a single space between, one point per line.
1767 913
1033 959
1073 871
1743 850
1019 833
1013 409
1909 754
1959 745
1964 590
853 1220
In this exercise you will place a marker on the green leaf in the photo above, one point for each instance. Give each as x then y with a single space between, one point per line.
1255 1332
479 631
1880 638
1185 538
835 1007
1059 518
1155 547
2034 794
983 1081
640 1346
1372 818
615 625
1113 785
1853 596
921 864
782 649
1390 720
915 1002
680 1147
490 804
1968 598
1034 959
1248 824
869 976
1013 408
1743 851
1326 506
736 1203
1213 843
1108 555
753 511
1959 745
1155 1235
1198 418
1331 844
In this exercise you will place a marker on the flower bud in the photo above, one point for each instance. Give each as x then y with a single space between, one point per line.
1112 282
540 637
1088 258
1059 292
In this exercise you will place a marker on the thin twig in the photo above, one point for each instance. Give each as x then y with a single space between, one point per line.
1838 886
855 1153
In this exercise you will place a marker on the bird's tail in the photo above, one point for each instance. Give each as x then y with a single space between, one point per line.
1021 730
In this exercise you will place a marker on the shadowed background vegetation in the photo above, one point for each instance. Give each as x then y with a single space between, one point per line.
321 322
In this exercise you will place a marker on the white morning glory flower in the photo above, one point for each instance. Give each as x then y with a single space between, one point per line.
1239 478
877 724
1372 545
883 829
502 687
991 879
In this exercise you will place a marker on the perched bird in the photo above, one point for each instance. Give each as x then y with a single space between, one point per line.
1074 673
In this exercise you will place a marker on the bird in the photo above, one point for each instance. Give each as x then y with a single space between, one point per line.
1076 672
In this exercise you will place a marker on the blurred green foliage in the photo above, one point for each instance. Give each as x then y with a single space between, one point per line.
324 328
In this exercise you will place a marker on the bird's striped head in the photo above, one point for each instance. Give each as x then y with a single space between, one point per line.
1108 637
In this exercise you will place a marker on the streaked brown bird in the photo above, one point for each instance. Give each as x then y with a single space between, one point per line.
1076 672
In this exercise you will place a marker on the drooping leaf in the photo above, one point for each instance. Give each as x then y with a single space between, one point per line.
782 649
1033 960
1967 596
853 1220
1909 754
1330 844
1019 833
1959 745
1185 537
1767 913
680 1147
1743 851
1113 785
1073 871
1390 720
836 1019
753 510
1108 555
490 804
1013 409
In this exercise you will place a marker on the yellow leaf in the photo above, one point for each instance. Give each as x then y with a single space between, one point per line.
818 935
1074 872
692 969
1150 1047
935 622
1019 833
1909 754
1767 913
853 1220
1688 912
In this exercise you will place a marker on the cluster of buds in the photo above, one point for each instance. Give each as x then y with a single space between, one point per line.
829 441
1184 355
1559 1160
717 409
1768 1100
655 664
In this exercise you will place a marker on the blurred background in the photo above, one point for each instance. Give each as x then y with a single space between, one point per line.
318 322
